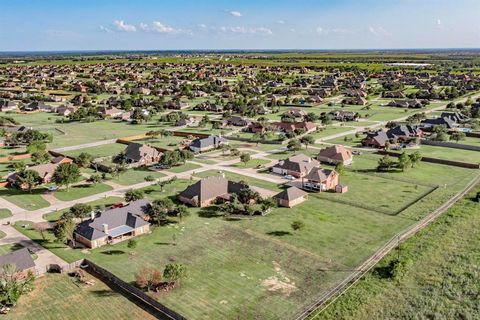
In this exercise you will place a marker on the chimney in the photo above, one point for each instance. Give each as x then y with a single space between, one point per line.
105 228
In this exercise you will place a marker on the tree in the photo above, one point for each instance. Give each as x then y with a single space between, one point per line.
148 278
95 178
133 195
245 158
63 231
415 158
182 211
84 159
80 210
185 155
225 148
160 209
404 161
132 244
66 174
457 136
29 179
175 272
340 168
234 152
40 157
297 225
12 286
385 163
294 145
307 140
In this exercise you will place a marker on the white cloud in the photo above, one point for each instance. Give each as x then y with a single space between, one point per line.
378 31
105 29
280 22
122 26
202 26
162 28
235 13
144 26
439 22
247 30
320 30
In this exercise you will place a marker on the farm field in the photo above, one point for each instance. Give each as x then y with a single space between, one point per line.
58 294
442 260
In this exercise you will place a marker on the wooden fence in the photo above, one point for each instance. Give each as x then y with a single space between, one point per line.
153 306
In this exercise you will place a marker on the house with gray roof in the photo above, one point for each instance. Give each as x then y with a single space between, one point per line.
21 259
209 143
114 225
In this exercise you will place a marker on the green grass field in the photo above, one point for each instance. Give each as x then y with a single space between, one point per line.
57 296
23 199
5 213
106 150
184 167
81 191
438 281
54 216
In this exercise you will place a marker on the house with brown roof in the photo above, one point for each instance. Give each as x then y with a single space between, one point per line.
207 191
320 180
114 225
292 126
45 171
335 154
297 166
141 154
291 197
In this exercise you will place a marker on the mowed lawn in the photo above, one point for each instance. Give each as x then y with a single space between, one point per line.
258 182
106 150
104 202
260 267
24 199
57 296
392 195
81 191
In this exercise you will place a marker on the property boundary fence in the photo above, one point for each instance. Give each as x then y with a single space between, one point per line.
329 297
450 145
453 163
156 308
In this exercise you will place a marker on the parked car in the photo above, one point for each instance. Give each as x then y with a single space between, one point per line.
289 177
356 152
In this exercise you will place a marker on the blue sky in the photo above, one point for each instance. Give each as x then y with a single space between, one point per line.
215 24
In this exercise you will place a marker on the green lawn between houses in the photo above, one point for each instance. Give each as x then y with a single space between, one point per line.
5 213
24 199
57 296
81 191
260 267
440 279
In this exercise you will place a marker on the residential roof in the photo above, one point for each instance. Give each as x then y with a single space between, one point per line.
336 152
136 151
207 142
118 220
211 187
20 258
290 194
319 174
298 163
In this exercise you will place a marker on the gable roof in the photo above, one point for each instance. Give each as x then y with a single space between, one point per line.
319 175
20 258
207 142
336 152
210 188
290 194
